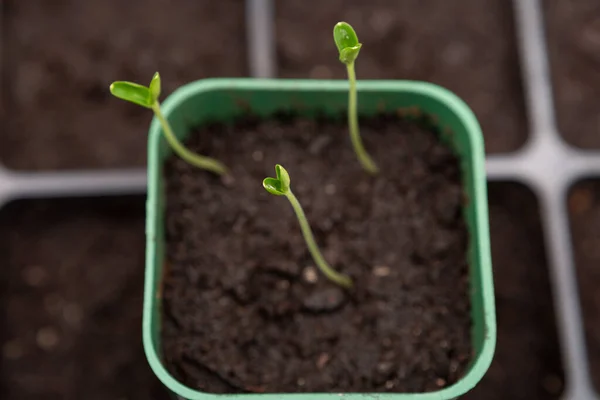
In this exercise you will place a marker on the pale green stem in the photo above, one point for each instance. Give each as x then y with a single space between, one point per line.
329 272
365 160
197 160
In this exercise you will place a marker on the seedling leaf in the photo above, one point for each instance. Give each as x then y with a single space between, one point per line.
283 177
155 87
346 41
349 54
132 92
273 186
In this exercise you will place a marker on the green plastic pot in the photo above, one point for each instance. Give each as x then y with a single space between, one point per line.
224 99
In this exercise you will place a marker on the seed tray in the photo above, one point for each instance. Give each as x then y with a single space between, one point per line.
545 164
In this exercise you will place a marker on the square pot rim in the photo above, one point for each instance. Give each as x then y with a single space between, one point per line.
440 94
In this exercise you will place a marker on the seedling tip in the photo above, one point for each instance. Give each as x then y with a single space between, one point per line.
155 87
132 92
346 41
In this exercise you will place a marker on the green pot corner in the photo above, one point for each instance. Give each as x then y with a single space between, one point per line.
224 99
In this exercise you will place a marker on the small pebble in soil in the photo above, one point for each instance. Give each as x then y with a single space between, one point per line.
325 300
318 144
47 338
440 382
330 189
72 314
301 382
34 275
238 225
389 384
323 360
228 180
381 271
258 156
385 367
12 350
310 274
453 366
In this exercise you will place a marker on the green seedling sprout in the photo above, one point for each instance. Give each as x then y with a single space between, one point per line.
347 43
148 97
280 186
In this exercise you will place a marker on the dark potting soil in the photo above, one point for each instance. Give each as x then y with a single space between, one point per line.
584 208
71 287
468 46
527 364
59 57
246 310
573 29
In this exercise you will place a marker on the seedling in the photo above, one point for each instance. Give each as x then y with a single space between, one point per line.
148 97
347 43
280 186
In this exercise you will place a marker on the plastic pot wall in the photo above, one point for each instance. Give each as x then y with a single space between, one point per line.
224 99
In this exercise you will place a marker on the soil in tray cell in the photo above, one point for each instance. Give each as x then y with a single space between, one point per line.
467 46
527 363
584 209
71 301
247 311
574 45
59 58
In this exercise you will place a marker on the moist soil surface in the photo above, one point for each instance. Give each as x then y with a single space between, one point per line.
527 364
467 46
71 301
573 29
245 310
59 58
584 208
